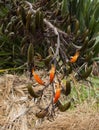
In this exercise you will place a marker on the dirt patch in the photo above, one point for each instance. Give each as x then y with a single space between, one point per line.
17 110
74 120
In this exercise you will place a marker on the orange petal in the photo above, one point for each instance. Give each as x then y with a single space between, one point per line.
52 73
75 57
57 95
37 78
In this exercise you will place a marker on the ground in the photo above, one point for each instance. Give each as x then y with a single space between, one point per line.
17 109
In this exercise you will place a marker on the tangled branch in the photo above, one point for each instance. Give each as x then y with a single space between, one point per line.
56 31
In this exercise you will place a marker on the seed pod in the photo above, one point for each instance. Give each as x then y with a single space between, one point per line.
28 20
64 107
23 15
69 69
76 26
85 34
41 21
37 20
77 35
67 89
86 40
30 55
32 92
68 29
87 72
42 113
33 28
18 11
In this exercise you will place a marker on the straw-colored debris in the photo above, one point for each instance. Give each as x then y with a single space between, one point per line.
17 110
80 119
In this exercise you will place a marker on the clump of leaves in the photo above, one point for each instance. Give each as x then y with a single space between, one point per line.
10 36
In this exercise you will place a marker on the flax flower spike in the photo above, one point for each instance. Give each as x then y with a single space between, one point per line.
75 57
57 93
52 73
37 78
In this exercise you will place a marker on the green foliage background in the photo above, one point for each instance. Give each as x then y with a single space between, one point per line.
13 51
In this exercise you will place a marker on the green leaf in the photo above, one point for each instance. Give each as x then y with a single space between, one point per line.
73 6
96 48
91 23
2 53
64 7
96 12
95 59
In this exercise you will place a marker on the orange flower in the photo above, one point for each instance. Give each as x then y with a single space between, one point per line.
37 78
52 73
75 57
57 93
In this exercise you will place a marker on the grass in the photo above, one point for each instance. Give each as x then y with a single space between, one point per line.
86 92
